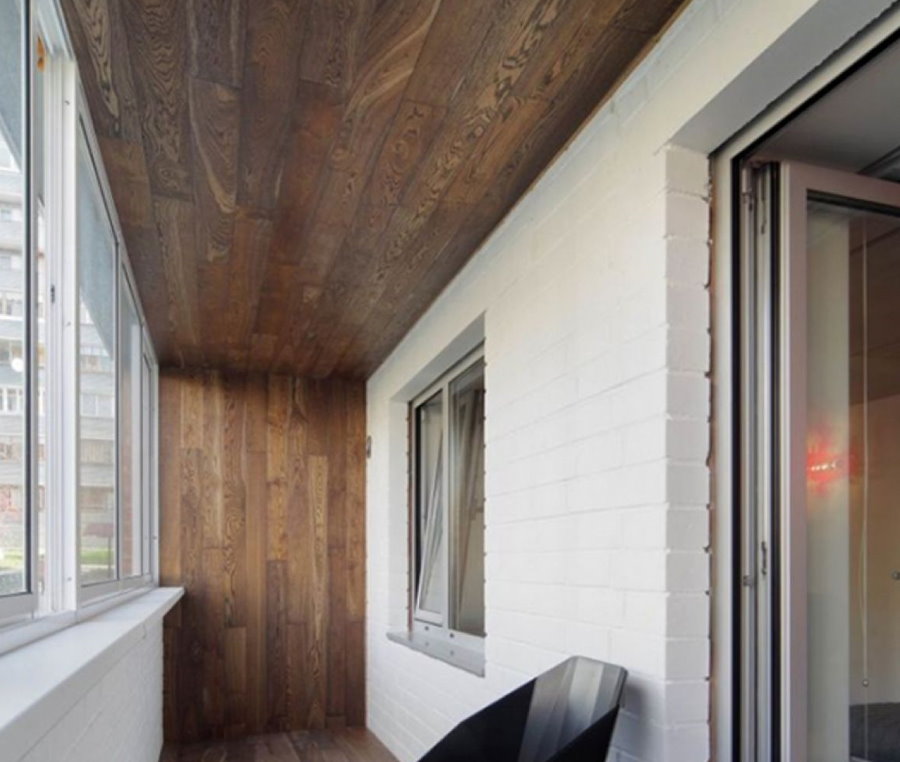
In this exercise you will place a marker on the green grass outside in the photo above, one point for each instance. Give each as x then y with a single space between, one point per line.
96 557
12 559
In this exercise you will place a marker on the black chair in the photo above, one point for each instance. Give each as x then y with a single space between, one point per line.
568 713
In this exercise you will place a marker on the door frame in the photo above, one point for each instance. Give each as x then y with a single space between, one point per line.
800 182
729 382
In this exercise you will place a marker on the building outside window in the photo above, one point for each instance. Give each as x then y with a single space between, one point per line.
11 304
67 402
10 213
13 520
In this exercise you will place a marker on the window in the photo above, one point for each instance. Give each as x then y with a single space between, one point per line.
11 304
96 337
11 353
10 213
10 260
7 162
447 466
15 553
98 406
10 449
77 370
12 400
98 452
130 475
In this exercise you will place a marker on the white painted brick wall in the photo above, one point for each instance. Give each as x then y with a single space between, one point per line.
595 304
118 718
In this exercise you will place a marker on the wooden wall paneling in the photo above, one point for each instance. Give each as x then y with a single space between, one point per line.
511 166
216 31
387 60
331 47
257 534
170 572
174 230
355 543
262 523
319 473
300 544
317 492
328 155
98 36
215 120
271 60
234 493
335 439
157 45
506 50
411 134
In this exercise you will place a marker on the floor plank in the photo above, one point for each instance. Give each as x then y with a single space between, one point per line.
341 745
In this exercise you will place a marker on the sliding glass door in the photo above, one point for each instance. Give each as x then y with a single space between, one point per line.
821 467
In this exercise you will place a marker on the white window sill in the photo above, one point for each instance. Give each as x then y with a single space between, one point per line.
443 650
42 681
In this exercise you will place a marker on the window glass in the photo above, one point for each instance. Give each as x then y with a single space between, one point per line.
129 433
467 498
147 432
448 474
40 294
431 534
14 560
96 251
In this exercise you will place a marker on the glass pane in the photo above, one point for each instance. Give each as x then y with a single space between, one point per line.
853 448
41 292
467 499
146 459
13 522
129 434
96 378
430 535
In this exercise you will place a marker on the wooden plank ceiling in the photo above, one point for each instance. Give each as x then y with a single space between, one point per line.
297 180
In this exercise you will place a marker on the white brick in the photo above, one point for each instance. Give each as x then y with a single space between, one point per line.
118 717
687 216
594 295
686 172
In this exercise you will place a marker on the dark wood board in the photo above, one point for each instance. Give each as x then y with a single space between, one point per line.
262 521
297 180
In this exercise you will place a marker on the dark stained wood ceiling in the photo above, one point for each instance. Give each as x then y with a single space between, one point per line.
297 180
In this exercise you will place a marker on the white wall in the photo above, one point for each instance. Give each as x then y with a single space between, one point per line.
91 691
118 715
594 300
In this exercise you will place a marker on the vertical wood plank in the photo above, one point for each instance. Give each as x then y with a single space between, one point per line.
276 466
170 479
234 460
235 682
263 523
335 416
276 645
213 509
317 666
354 475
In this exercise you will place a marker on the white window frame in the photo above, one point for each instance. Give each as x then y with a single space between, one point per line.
65 601
423 622
21 606
89 592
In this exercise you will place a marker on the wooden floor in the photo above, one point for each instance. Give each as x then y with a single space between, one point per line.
347 745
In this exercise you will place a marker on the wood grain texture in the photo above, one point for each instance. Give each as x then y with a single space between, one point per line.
263 523
341 745
299 179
